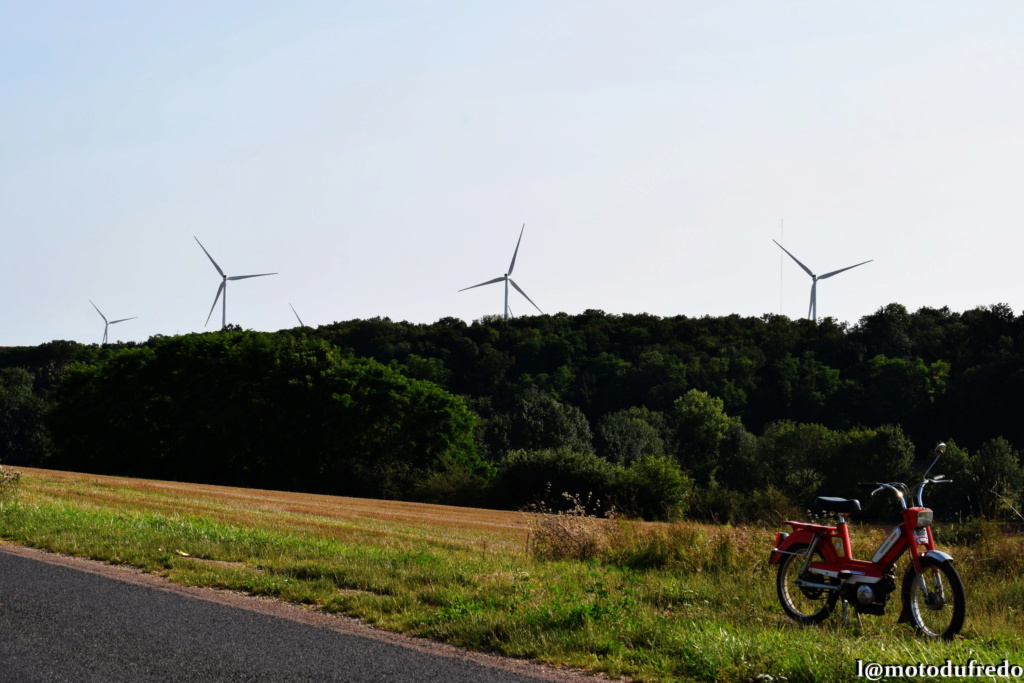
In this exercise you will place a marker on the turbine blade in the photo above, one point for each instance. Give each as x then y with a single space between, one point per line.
98 311
105 328
123 319
806 269
812 308
512 282
516 252
242 277
208 256
489 282
215 299
297 315
836 272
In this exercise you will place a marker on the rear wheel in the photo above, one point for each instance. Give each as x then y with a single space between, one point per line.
804 604
937 607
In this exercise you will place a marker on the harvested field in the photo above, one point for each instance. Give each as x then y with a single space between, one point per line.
345 519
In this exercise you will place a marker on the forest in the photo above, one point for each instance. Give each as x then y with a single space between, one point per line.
726 419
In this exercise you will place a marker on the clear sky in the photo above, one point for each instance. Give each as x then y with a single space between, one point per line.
382 155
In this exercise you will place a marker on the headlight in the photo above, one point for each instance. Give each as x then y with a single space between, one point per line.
924 517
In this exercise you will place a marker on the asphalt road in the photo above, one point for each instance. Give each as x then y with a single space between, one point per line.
63 619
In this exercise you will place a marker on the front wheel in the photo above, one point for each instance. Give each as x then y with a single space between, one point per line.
935 599
803 604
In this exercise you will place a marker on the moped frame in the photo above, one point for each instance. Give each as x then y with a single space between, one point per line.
839 569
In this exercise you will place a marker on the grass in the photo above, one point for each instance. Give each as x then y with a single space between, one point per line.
650 601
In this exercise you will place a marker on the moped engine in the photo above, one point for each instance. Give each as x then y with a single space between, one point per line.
865 594
870 598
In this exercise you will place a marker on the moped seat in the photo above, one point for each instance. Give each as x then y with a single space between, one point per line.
830 504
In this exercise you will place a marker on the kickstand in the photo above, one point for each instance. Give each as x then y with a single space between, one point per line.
846 615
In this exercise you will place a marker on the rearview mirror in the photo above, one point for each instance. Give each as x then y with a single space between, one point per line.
939 450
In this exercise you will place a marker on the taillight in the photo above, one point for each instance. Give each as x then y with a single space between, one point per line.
780 537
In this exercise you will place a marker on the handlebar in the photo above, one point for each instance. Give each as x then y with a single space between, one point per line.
903 491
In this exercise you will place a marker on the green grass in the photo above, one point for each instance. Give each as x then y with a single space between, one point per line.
658 602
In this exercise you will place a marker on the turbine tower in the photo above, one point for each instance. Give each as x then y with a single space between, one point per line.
507 279
812 310
301 324
223 289
108 323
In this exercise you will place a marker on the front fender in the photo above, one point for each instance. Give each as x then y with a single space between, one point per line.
908 577
939 556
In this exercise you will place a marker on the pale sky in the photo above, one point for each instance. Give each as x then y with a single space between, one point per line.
382 155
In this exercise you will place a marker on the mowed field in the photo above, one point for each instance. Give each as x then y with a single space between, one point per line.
345 519
678 601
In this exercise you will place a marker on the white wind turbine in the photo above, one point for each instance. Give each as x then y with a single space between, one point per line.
812 311
507 278
108 323
223 289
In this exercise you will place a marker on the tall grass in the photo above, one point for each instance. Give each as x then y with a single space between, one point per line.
674 601
9 481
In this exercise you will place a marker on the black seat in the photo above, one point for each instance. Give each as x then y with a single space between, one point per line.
830 504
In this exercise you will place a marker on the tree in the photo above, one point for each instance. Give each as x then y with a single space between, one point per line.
997 478
540 421
701 426
627 435
254 409
24 439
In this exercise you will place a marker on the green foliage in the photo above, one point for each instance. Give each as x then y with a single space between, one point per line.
541 421
627 435
260 410
654 487
24 439
998 477
528 477
695 389
987 484
701 427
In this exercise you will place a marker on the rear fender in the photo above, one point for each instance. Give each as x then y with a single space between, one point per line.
785 543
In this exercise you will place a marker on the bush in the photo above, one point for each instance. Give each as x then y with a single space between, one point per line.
655 488
451 487
574 533
770 507
529 477
717 504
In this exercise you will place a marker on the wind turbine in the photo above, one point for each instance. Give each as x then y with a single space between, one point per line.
223 289
812 311
507 278
108 323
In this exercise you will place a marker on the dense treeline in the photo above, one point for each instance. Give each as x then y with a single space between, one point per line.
725 416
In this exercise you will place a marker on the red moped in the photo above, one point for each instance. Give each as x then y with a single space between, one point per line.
817 567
